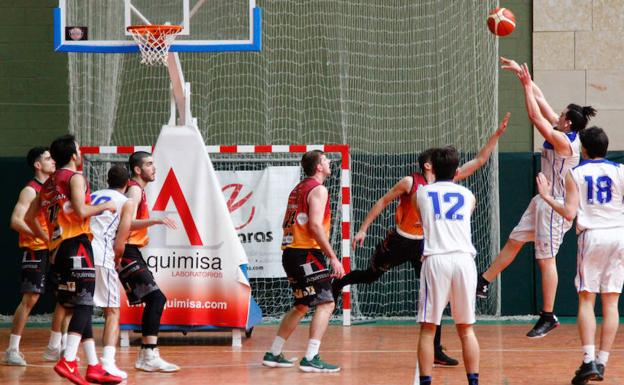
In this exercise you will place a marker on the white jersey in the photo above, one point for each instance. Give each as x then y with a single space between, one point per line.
601 191
445 209
556 166
104 227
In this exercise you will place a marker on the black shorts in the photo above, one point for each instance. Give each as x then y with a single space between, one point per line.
73 264
308 276
395 250
136 278
34 271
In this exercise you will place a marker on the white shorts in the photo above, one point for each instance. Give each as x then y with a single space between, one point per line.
600 261
447 278
106 287
542 225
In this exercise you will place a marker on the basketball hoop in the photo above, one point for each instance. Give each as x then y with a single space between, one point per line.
154 41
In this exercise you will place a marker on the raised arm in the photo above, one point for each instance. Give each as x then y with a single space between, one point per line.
78 188
558 139
545 108
401 187
27 195
317 200
469 168
569 207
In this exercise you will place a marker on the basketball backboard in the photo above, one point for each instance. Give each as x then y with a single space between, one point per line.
99 26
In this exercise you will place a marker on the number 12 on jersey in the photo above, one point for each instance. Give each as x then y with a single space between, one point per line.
454 198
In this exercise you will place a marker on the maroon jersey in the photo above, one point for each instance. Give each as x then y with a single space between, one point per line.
61 220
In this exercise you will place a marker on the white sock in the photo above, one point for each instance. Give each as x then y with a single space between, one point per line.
73 340
64 341
55 340
278 344
602 357
589 352
313 349
108 353
89 348
14 341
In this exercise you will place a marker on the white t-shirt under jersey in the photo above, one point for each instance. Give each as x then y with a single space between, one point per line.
556 166
601 194
445 209
104 227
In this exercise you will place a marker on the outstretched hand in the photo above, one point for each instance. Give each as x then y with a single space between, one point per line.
170 223
524 75
510 65
358 239
503 125
543 185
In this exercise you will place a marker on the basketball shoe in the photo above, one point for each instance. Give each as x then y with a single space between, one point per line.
97 374
69 370
441 359
585 372
150 361
546 323
14 357
601 370
52 354
279 361
316 365
111 367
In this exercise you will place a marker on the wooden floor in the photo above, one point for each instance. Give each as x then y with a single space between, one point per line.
368 354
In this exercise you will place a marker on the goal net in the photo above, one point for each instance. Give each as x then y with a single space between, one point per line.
389 79
271 291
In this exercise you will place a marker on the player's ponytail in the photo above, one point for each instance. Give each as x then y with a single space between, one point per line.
579 116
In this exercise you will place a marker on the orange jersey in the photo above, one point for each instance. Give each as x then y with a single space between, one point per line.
408 222
295 225
139 237
27 241
61 220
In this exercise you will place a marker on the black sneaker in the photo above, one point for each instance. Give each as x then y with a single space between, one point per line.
600 376
442 359
544 325
483 286
585 372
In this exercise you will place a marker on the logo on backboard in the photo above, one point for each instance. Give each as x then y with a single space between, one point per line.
76 33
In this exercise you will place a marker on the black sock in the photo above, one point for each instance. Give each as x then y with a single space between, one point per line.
437 338
148 346
473 378
547 314
425 380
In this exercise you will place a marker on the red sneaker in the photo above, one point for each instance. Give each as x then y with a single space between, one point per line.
97 374
69 370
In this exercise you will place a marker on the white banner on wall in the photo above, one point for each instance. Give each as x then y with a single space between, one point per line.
257 202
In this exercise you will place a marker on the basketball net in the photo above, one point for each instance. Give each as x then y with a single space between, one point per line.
154 41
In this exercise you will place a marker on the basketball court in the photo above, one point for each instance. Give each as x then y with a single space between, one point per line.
369 354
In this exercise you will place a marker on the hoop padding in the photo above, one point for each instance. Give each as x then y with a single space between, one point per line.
154 41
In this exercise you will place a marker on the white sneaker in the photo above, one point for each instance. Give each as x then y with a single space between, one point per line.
50 354
138 364
14 357
153 363
110 367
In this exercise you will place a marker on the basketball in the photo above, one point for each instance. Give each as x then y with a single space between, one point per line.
501 22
